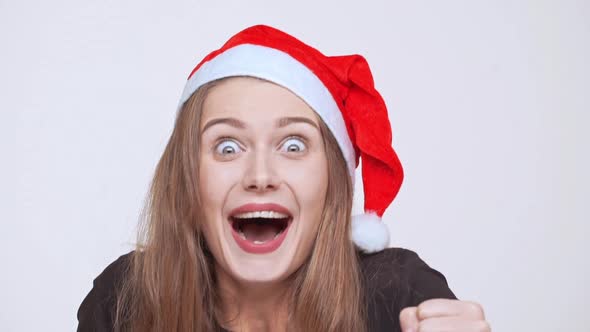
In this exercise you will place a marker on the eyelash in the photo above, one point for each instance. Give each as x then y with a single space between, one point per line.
228 138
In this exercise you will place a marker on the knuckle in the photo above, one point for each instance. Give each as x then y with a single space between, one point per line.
475 308
484 326
406 313
429 328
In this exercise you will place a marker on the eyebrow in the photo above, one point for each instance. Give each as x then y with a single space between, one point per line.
280 123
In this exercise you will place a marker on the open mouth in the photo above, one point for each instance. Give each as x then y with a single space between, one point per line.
260 231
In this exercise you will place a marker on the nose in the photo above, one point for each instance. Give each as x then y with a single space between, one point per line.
260 175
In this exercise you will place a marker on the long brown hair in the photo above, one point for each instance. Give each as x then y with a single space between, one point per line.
170 284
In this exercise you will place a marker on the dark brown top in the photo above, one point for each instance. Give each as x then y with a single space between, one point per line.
394 278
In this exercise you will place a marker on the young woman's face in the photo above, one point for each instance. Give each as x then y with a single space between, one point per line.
263 178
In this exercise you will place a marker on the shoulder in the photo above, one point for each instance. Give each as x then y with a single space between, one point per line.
404 269
114 271
396 278
96 312
390 259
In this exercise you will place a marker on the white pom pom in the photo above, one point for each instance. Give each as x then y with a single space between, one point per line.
369 233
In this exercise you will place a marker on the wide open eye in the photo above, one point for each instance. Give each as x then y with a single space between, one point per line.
227 147
294 144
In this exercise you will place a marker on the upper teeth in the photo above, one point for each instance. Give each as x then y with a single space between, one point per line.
261 214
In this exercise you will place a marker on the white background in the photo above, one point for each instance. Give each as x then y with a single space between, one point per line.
489 106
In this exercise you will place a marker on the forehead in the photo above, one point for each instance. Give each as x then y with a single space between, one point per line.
253 100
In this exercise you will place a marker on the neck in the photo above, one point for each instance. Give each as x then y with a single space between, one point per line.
252 306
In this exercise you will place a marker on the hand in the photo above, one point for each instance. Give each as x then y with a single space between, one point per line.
438 315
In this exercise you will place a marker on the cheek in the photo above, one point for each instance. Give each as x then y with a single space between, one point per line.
215 182
309 181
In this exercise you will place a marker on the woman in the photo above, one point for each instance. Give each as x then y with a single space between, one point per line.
248 225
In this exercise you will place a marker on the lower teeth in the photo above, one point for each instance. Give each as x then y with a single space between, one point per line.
243 236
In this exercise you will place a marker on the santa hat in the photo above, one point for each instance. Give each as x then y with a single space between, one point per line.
341 91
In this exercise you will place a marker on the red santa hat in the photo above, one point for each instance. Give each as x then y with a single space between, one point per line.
341 91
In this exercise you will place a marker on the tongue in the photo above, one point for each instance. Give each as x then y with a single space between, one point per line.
259 232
